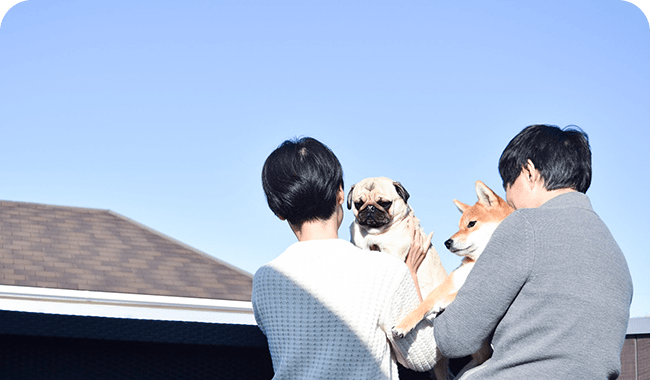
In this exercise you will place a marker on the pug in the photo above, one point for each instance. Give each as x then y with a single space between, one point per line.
381 212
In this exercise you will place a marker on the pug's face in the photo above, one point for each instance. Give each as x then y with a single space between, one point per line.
377 202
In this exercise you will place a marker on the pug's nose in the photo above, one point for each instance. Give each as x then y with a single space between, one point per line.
371 209
449 243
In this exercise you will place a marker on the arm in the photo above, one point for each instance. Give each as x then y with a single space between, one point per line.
417 350
254 298
490 288
417 252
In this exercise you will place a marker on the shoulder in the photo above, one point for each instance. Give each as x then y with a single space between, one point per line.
345 253
512 241
330 253
516 226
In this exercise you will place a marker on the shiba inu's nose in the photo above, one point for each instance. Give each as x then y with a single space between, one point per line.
449 243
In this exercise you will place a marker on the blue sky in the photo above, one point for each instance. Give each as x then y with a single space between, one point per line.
165 111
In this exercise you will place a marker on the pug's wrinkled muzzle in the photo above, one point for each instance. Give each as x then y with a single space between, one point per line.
373 217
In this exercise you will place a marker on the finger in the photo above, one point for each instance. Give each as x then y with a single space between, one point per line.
428 241
417 240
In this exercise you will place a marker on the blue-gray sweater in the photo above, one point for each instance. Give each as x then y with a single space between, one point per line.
552 290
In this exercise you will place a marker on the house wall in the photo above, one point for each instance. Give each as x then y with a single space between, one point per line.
47 346
44 358
635 358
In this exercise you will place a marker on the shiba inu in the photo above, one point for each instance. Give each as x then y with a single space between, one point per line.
476 226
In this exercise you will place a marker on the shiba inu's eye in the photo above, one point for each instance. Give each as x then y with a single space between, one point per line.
471 224
385 204
358 205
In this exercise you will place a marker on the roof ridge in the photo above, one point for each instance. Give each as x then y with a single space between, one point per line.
48 205
184 245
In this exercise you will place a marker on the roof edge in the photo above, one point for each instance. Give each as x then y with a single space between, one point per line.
175 241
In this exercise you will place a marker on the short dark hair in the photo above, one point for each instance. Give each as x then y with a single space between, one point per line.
562 156
301 180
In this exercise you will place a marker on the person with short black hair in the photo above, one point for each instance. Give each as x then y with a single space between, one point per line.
325 306
301 180
563 157
552 290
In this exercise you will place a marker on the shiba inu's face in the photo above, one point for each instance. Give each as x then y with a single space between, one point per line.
478 222
377 202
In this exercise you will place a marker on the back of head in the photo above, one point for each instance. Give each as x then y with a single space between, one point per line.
301 180
562 156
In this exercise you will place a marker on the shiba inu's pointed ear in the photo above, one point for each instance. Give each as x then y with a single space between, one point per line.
461 206
350 198
485 195
401 191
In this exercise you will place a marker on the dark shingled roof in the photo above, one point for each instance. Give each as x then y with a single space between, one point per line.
100 250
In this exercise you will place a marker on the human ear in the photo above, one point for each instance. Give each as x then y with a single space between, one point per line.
530 169
533 175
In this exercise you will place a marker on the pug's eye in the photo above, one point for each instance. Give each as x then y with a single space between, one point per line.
385 204
471 224
358 205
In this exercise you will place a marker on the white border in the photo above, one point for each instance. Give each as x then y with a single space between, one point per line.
124 305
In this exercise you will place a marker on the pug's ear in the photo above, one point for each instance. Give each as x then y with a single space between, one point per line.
401 191
350 198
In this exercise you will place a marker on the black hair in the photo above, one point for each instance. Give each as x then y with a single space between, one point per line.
301 180
562 156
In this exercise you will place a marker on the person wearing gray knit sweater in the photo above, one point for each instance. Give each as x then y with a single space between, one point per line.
552 290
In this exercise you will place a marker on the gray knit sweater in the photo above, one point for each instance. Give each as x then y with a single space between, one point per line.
552 290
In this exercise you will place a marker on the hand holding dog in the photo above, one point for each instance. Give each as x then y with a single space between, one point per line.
417 251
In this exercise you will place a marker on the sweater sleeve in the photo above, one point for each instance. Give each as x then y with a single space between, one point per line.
254 298
417 350
490 288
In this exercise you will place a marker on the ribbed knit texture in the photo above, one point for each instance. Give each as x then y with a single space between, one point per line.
327 307
553 288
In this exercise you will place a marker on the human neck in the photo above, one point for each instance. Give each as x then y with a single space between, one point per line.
317 230
322 229
546 195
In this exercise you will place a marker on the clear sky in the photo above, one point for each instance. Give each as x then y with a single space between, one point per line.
164 111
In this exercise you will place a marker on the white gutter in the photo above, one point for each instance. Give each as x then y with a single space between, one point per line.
637 326
124 305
